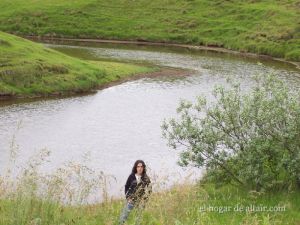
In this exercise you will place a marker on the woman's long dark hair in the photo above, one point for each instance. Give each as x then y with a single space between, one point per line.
134 170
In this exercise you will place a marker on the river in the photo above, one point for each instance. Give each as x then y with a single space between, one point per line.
121 123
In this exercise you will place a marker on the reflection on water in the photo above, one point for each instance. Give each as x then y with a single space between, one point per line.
120 124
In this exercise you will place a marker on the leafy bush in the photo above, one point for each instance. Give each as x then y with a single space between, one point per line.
251 138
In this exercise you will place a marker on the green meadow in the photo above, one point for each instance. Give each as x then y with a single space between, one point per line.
29 69
266 27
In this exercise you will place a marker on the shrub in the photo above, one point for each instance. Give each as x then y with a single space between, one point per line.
250 138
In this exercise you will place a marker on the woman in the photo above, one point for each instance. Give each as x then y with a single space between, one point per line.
137 189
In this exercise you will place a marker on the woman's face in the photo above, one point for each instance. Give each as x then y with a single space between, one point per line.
139 168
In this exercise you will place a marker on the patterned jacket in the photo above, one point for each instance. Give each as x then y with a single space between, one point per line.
140 191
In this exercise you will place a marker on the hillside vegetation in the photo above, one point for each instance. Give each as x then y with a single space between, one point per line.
266 27
30 69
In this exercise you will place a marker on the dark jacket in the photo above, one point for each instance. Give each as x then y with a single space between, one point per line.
138 191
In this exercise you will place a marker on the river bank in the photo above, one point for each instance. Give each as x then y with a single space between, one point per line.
200 204
31 70
164 44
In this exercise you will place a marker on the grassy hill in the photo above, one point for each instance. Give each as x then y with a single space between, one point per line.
266 27
30 69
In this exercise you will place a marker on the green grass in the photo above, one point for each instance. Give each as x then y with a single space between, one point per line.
30 69
266 27
182 204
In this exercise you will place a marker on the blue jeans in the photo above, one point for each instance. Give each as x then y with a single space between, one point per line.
139 205
126 210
